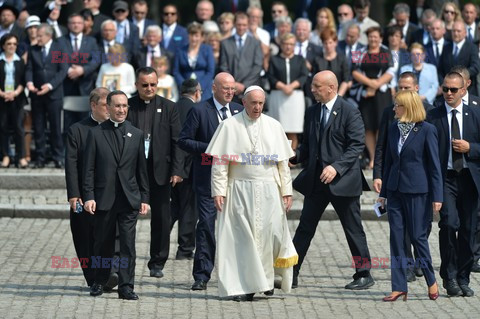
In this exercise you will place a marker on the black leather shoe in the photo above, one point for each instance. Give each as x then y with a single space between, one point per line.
476 267
467 291
361 283
111 283
240 298
127 295
452 287
269 292
184 256
156 272
410 276
58 164
295 281
199 285
40 165
96 290
418 271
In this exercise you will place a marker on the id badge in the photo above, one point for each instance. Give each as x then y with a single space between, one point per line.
147 146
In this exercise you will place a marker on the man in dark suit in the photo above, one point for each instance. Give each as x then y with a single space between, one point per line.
470 15
279 9
459 149
468 99
437 46
401 14
241 56
106 36
115 190
350 46
44 77
50 15
158 118
308 9
127 32
422 35
406 81
183 197
460 52
81 223
98 17
82 68
144 56
174 35
8 16
139 18
334 139
199 127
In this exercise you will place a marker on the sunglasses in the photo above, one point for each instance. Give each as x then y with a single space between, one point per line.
342 14
453 90
146 85
169 13
448 12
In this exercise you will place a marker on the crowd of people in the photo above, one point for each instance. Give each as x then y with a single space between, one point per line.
161 95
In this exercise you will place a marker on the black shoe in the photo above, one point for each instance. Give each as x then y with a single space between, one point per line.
410 276
96 290
452 287
40 165
111 283
127 295
361 283
185 256
240 298
199 285
476 267
156 272
295 281
269 292
418 271
467 291
58 164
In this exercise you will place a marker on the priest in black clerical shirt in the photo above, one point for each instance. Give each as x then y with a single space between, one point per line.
159 120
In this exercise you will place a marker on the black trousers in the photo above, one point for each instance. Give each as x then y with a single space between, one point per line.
105 223
348 211
44 108
476 247
70 118
11 114
183 210
205 236
159 224
458 221
82 227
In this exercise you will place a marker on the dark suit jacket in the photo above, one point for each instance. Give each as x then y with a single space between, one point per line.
40 73
97 23
74 156
204 68
417 36
19 79
246 66
388 117
139 60
85 84
473 101
277 71
468 57
148 22
416 170
132 42
167 156
198 130
430 55
179 39
342 141
222 6
339 66
184 105
19 32
471 134
407 38
102 167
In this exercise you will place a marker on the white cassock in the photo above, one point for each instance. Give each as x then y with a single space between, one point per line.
253 243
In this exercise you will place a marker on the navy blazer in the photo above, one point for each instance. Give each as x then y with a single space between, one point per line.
148 22
416 169
202 122
51 72
204 68
179 39
86 83
430 55
471 134
342 141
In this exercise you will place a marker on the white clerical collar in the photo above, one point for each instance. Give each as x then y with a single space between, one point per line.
116 124
91 115
220 106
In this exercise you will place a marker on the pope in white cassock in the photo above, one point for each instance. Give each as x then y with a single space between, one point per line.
252 190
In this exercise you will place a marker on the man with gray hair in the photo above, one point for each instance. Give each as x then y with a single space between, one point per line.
108 32
422 35
345 15
145 55
44 77
470 15
435 49
401 14
255 166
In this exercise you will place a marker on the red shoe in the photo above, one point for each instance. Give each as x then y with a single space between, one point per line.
433 296
393 297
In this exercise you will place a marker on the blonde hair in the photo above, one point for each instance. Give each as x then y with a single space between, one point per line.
330 17
287 36
160 61
458 15
414 110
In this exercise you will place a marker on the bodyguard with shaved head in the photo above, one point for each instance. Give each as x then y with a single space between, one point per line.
334 139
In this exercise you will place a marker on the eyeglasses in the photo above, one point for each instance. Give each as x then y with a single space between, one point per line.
169 13
146 85
453 90
448 12
397 105
340 14
277 11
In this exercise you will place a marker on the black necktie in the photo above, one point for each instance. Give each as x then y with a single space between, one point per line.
457 159
224 113
75 44
323 119
437 51
44 54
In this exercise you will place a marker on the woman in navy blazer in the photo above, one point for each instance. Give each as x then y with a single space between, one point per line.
195 60
412 178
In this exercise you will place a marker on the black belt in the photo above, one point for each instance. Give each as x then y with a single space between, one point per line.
451 173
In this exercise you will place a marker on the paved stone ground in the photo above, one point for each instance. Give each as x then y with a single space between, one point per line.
30 288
